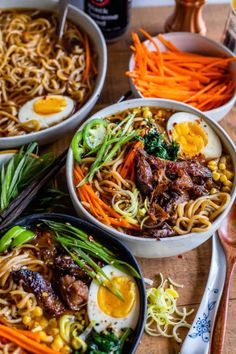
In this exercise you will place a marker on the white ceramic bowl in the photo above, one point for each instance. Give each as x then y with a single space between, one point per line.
194 43
147 247
87 25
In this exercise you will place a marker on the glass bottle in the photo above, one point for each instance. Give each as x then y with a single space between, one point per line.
112 16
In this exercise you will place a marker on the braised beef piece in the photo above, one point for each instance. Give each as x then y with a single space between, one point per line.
144 175
74 292
168 183
163 231
48 249
35 283
64 264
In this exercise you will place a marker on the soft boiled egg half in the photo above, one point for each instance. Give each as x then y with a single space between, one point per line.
106 310
47 110
194 136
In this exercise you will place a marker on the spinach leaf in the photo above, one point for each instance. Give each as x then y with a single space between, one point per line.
154 144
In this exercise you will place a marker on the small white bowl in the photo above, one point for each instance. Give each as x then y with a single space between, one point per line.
150 247
90 27
194 43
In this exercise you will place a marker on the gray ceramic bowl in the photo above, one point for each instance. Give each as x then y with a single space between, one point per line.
195 43
149 247
87 25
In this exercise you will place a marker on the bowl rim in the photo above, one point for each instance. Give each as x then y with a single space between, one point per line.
98 85
193 35
224 137
102 236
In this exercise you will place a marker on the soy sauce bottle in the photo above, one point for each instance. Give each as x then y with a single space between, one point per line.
112 16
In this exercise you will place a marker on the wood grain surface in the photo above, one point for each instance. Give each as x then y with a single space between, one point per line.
192 268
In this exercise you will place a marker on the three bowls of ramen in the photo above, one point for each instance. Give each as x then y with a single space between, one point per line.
158 174
99 303
48 88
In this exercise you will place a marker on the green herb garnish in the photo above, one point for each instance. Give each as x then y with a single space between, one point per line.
155 144
106 342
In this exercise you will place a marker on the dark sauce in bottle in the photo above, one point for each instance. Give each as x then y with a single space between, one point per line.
112 16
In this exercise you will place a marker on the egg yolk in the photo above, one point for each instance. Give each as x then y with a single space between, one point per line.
191 137
111 304
50 105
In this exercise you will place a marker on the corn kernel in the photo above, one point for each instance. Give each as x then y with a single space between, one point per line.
43 322
147 113
223 178
26 320
37 312
213 190
216 176
226 189
229 174
222 166
58 343
44 337
223 159
228 183
212 162
136 110
212 167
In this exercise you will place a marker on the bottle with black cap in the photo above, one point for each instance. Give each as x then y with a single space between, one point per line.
112 16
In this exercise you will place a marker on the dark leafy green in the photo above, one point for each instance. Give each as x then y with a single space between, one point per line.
106 343
155 144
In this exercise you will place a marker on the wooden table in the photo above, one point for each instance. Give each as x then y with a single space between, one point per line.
192 268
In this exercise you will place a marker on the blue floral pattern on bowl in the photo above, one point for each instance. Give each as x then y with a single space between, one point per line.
202 327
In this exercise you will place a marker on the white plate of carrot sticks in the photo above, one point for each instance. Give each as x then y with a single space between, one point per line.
185 67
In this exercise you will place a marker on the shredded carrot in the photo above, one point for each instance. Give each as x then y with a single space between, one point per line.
129 160
202 81
97 206
19 337
87 58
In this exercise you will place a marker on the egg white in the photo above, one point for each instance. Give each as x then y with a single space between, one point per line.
213 149
27 113
101 319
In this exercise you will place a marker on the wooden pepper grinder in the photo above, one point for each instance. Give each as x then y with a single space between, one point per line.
187 17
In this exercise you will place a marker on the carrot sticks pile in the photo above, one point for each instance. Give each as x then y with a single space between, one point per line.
201 81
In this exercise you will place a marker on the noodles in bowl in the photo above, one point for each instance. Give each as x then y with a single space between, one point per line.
57 281
33 65
157 171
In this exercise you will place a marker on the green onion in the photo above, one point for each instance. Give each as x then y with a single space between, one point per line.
81 248
19 171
